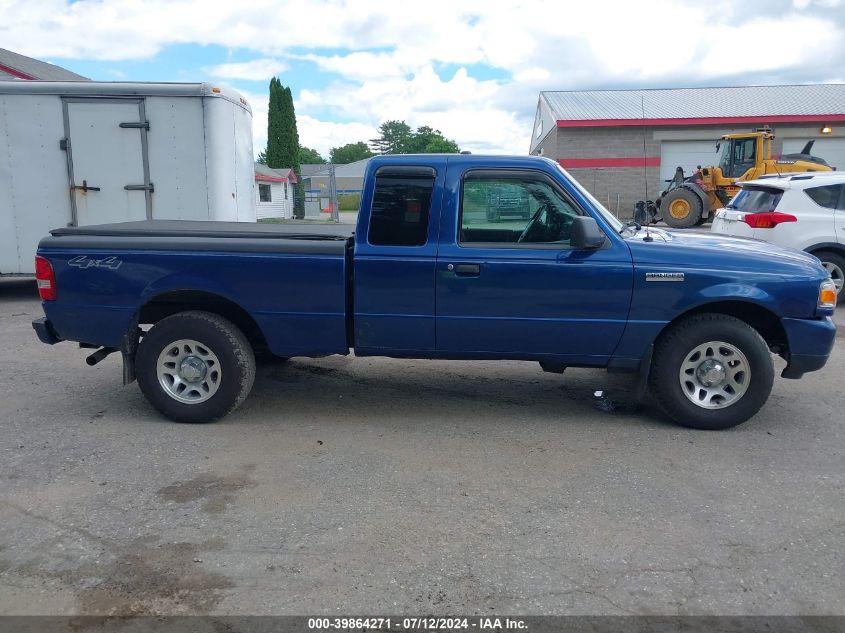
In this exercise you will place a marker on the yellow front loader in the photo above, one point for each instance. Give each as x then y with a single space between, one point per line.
693 200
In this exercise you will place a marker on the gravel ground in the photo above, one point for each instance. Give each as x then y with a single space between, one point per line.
387 486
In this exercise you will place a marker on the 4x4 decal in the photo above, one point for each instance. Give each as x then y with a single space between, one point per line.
83 261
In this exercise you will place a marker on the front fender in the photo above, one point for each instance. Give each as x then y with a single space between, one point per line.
656 304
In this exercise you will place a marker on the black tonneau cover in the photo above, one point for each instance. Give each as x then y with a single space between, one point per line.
329 239
194 228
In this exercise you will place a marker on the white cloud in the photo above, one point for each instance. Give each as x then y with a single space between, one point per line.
255 70
323 135
384 56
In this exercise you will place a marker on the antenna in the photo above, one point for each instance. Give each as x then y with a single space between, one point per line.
647 237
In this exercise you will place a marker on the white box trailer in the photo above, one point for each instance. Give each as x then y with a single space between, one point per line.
89 152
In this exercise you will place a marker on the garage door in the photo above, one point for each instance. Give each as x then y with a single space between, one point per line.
831 149
686 154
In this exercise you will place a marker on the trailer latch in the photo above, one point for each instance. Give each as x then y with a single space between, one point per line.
148 187
144 125
84 188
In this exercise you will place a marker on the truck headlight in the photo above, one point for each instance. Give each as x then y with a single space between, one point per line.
827 295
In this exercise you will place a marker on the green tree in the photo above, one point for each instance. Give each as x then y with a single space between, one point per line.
278 153
349 153
394 138
441 146
262 157
430 141
308 156
283 139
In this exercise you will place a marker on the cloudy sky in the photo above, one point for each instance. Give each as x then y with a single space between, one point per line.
472 68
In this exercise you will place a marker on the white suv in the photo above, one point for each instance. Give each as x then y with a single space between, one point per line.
804 211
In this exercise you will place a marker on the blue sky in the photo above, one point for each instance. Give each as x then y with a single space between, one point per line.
471 68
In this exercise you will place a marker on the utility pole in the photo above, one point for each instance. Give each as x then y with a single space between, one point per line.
333 194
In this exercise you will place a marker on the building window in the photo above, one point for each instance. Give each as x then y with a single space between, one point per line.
401 204
264 193
286 191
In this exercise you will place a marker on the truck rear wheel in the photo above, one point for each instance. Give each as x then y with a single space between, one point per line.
711 372
681 208
195 366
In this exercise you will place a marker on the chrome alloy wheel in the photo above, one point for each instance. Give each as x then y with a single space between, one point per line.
715 375
188 371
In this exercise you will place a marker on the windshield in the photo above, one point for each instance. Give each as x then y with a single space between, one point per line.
611 219
725 160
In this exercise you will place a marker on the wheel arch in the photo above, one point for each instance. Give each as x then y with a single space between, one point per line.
170 302
833 247
766 322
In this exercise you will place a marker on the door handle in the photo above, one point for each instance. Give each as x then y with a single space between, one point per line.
148 187
465 270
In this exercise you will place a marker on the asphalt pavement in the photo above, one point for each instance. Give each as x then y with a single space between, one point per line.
350 486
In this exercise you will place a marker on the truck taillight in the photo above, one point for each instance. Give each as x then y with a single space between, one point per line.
767 220
46 278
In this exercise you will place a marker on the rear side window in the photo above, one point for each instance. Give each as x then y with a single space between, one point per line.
401 206
756 199
827 197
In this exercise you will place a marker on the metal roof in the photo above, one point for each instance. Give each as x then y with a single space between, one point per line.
345 170
16 66
125 89
262 172
697 103
306 169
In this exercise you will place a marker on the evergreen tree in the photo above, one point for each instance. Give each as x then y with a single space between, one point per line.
283 139
277 135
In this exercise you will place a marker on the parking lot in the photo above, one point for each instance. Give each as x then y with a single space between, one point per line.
374 485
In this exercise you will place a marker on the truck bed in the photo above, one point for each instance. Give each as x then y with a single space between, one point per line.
292 279
322 239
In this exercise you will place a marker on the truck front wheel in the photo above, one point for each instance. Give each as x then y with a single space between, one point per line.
195 366
711 372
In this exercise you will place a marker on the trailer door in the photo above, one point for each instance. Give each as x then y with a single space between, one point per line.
107 160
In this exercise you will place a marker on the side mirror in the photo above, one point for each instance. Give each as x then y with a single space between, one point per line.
585 233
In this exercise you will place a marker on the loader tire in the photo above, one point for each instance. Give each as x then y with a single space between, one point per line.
681 208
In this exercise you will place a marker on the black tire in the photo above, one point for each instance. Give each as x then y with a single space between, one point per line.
673 348
835 265
681 195
228 345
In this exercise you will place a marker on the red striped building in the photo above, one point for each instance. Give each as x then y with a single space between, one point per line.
618 143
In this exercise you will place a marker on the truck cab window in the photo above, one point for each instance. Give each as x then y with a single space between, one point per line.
400 210
514 211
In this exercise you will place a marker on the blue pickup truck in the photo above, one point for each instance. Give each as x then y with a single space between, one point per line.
427 274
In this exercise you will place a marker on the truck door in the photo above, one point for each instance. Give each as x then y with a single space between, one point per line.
510 286
395 255
106 144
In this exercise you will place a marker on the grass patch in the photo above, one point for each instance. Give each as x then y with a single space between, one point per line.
348 201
